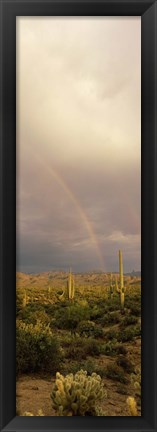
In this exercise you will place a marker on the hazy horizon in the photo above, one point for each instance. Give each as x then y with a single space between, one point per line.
77 272
78 143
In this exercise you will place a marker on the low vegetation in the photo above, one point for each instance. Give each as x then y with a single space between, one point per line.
86 333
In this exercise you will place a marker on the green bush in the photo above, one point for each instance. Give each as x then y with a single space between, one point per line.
116 373
111 334
128 320
72 316
129 333
125 363
109 348
136 310
86 328
92 348
121 389
76 351
80 348
36 348
33 312
120 349
76 395
126 335
89 328
73 367
114 317
88 365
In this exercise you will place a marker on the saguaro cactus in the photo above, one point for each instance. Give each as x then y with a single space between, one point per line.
48 292
121 288
111 287
70 286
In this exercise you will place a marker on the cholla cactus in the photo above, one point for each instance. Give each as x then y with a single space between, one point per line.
132 406
30 414
76 395
70 286
136 380
121 290
131 401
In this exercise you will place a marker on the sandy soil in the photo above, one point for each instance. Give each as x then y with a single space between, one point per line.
33 392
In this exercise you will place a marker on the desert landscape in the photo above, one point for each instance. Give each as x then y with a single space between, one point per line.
71 322
78 216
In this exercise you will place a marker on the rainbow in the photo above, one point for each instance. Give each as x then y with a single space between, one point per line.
77 205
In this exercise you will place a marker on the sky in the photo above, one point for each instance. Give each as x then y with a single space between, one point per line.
78 84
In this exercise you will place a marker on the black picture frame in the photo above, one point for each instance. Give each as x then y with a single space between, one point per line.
147 9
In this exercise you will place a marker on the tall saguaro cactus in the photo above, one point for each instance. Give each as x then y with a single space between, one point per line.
70 286
121 288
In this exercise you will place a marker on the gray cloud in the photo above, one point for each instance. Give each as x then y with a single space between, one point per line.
78 143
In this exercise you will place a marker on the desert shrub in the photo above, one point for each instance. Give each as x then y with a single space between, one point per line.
88 328
96 312
19 301
75 366
125 363
133 302
113 305
137 330
129 333
36 348
135 309
103 319
31 312
111 334
126 335
128 320
114 317
75 351
38 315
67 340
109 348
76 395
115 372
92 347
122 389
98 332
80 348
88 365
71 317
120 349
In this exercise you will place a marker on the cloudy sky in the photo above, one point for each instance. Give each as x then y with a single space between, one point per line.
78 143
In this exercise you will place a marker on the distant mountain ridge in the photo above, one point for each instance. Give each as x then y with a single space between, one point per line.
63 272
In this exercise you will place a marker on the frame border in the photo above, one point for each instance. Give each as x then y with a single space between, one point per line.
147 9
